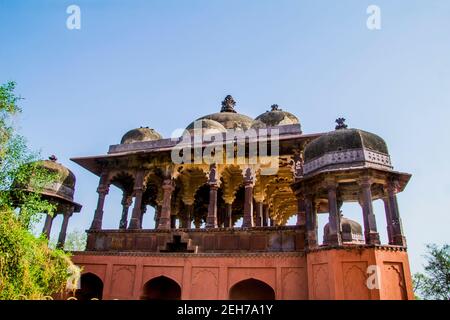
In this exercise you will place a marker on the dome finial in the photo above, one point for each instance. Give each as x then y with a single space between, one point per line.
228 104
340 124
53 158
274 107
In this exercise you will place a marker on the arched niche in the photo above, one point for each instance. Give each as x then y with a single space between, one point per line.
161 288
251 289
91 287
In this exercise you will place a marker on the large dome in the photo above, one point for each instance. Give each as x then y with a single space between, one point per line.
275 117
346 148
140 134
228 117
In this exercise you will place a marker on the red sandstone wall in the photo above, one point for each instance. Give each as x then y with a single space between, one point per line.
343 274
200 277
323 274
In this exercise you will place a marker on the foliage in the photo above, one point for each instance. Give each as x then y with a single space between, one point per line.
434 284
28 268
75 241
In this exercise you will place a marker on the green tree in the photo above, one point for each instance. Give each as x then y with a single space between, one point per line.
75 241
28 268
434 283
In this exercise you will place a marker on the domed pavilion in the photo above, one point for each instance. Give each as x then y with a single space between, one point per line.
235 201
60 193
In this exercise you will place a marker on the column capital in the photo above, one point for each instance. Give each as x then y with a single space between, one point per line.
103 189
258 198
228 200
213 175
249 177
365 181
213 186
168 185
188 201
68 214
127 199
392 186
330 183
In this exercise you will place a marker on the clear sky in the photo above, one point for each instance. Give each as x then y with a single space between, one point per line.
164 63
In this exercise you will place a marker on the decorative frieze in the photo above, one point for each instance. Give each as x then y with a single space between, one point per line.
368 157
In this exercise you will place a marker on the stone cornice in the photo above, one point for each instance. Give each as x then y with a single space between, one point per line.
202 230
350 247
189 255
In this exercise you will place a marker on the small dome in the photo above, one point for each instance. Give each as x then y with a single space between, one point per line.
344 139
208 126
228 117
63 187
140 134
344 148
66 177
276 117
351 232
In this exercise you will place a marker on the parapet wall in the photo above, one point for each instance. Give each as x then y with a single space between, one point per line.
225 240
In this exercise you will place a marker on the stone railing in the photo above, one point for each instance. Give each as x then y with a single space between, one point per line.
364 156
222 240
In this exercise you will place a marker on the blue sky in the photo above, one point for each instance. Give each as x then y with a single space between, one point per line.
163 63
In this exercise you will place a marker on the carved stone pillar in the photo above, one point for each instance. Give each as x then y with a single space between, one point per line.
186 221
370 225
334 221
197 223
135 222
265 221
228 215
387 211
301 219
102 190
396 222
63 231
48 225
157 215
259 213
221 216
143 211
173 221
211 219
248 200
311 222
126 203
164 220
